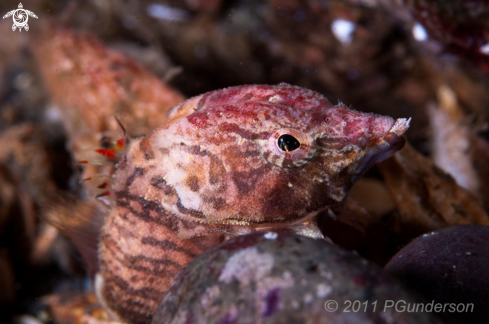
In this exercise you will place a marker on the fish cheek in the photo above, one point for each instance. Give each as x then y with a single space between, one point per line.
217 172
284 201
282 206
323 184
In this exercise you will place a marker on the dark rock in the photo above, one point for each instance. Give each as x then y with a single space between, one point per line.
449 266
284 278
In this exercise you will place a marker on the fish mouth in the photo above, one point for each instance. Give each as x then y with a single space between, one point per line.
387 146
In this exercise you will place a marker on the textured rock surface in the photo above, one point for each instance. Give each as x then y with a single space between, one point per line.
282 278
449 266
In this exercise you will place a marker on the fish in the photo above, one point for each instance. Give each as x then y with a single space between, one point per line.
225 163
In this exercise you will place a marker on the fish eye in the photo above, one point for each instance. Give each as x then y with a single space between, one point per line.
288 147
288 143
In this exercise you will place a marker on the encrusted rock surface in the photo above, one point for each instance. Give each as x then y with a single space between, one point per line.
278 277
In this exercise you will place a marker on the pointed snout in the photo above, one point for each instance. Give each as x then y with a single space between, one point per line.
385 146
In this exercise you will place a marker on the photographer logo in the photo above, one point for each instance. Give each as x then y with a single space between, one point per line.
20 17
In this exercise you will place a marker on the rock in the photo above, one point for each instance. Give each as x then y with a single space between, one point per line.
449 266
284 278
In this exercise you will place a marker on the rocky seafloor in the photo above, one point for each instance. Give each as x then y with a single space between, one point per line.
413 229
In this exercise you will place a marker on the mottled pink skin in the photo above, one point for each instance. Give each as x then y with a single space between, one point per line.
214 170
219 152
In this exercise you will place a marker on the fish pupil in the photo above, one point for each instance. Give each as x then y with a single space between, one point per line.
288 143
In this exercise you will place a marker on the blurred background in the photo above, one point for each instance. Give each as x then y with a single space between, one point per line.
83 62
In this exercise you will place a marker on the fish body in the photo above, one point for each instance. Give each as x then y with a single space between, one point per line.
228 162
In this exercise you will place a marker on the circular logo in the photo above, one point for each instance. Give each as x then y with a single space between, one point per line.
330 305
20 18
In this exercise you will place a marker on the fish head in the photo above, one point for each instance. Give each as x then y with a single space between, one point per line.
265 155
